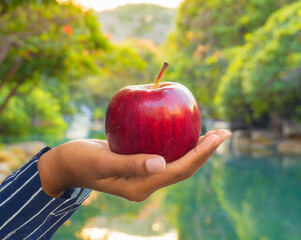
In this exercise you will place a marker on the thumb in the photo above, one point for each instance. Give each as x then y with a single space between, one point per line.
136 165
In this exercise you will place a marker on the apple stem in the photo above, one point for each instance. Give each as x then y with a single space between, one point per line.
165 65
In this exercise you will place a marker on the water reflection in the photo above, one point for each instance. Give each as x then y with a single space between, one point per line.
241 198
106 234
229 198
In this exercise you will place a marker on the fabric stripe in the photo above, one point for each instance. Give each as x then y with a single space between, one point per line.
52 226
3 188
18 190
24 205
44 221
16 213
58 213
11 233
67 209
13 174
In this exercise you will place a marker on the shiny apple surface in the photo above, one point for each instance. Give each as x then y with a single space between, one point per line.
164 121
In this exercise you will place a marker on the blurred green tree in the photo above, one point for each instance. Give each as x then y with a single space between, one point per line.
6 5
221 24
59 49
46 45
263 76
128 63
37 113
131 62
54 41
204 30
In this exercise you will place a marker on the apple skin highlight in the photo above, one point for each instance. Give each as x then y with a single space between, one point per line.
164 121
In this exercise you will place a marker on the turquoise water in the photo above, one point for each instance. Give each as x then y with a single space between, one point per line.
229 198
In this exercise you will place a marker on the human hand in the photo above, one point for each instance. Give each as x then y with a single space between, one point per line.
90 164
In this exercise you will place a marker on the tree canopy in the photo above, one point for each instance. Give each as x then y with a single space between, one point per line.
240 59
263 76
59 50
45 47
220 23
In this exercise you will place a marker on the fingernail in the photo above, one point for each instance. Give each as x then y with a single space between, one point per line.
155 165
213 138
211 132
224 133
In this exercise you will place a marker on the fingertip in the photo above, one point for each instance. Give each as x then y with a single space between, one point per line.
212 139
155 165
224 133
211 132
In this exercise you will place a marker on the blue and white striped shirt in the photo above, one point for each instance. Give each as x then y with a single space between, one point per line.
27 212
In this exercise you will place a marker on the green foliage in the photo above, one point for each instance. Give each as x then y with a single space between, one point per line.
60 49
99 113
15 120
45 113
130 63
98 135
199 73
264 74
38 113
51 46
52 41
248 82
6 5
221 23
238 60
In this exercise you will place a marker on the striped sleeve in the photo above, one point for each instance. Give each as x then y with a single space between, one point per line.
27 212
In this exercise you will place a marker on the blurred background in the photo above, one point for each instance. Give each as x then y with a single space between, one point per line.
61 62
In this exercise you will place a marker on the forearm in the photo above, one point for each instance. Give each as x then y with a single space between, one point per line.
27 211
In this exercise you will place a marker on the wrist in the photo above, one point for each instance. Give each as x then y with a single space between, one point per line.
51 174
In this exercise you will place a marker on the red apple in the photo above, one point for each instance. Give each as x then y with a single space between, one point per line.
163 120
